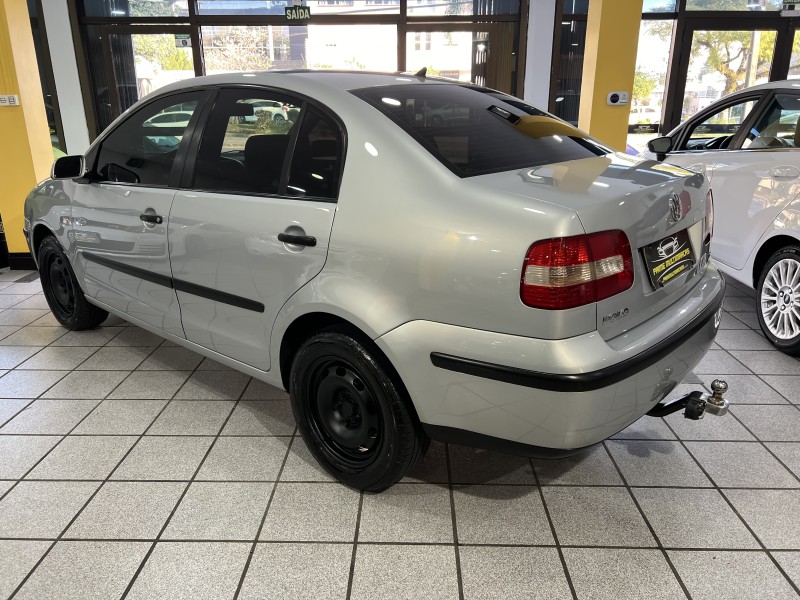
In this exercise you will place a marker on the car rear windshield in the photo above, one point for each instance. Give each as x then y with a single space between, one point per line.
475 131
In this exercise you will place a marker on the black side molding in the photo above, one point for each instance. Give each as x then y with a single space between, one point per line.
580 382
177 284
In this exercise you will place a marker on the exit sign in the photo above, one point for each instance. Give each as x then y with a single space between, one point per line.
9 100
297 13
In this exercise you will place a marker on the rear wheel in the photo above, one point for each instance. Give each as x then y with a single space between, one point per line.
352 416
278 118
779 300
61 289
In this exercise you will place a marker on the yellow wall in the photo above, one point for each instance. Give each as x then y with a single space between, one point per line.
25 150
612 38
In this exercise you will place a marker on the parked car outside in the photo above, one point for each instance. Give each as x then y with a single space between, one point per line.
495 283
748 144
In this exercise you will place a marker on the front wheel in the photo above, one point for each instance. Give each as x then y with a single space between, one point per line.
779 300
62 291
351 414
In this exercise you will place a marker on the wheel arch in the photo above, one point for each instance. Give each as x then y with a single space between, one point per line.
770 247
40 231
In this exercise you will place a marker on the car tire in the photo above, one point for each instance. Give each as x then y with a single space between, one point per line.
278 118
62 291
353 417
779 300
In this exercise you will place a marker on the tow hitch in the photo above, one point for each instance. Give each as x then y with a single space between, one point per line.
696 404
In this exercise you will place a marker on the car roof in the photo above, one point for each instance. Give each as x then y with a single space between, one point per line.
784 83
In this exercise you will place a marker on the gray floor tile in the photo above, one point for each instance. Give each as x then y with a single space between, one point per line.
312 512
730 322
47 320
298 572
32 287
748 389
5 486
28 384
741 464
259 390
11 356
708 428
87 384
151 385
748 318
20 316
405 573
90 570
83 457
50 416
192 417
7 330
158 457
34 336
787 385
35 301
18 453
740 304
124 510
212 365
768 363
170 358
245 459
591 466
90 337
42 509
646 428
612 574
513 574
191 571
657 463
119 358
60 358
268 417
774 515
219 511
788 453
9 300
596 516
407 513
9 408
136 336
121 417
214 385
302 466
734 576
769 423
500 514
17 558
720 362
742 339
716 526
790 562
431 469
471 465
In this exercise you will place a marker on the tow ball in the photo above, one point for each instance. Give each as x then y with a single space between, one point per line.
696 404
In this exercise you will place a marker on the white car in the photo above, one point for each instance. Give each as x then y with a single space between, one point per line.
748 145
495 282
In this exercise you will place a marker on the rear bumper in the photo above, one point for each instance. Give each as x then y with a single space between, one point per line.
485 388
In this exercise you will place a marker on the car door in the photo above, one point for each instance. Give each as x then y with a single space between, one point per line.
253 225
120 217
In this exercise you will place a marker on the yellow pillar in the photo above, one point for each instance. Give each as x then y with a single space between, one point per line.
25 150
609 64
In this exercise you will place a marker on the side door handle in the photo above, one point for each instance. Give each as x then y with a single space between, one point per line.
298 240
148 218
785 173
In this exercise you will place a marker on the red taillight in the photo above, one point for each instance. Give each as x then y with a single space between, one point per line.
567 272
709 220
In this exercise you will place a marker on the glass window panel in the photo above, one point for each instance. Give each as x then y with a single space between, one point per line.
570 70
651 6
136 8
576 7
723 62
317 160
717 130
778 127
317 7
418 8
753 5
246 48
652 63
450 54
794 62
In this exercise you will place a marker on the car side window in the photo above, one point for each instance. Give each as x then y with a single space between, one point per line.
777 128
142 149
716 131
317 160
245 142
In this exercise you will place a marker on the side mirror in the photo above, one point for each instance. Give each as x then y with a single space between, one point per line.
69 167
660 146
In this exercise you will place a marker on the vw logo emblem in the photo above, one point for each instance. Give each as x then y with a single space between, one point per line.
675 207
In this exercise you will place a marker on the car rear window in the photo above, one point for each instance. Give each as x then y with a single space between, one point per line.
474 131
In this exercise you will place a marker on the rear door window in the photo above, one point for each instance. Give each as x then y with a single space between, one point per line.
777 127
474 131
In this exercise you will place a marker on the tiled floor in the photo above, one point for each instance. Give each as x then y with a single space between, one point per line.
133 468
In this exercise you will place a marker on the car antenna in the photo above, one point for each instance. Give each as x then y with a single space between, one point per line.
421 73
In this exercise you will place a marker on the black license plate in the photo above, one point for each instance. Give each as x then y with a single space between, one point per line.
668 258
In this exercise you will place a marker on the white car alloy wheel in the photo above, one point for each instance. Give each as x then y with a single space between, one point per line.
779 293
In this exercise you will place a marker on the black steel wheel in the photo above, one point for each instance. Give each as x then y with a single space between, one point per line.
352 416
62 291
